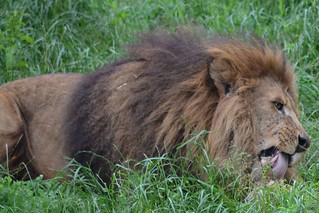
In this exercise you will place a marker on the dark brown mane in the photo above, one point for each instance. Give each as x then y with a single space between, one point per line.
163 94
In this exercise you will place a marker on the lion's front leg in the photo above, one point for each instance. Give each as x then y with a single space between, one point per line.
292 175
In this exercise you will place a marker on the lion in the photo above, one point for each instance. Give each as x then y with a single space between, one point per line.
170 87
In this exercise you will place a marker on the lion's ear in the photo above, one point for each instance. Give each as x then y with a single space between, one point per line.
221 71
222 86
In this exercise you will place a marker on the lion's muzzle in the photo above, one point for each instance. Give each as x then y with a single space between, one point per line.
279 161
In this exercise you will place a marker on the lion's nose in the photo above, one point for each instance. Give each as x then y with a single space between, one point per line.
303 143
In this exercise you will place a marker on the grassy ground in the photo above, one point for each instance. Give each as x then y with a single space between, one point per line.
38 37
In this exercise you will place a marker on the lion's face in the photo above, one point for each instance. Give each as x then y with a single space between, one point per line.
282 141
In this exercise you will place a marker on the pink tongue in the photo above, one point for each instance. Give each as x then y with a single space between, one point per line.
280 166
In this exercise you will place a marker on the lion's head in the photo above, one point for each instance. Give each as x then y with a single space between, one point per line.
257 111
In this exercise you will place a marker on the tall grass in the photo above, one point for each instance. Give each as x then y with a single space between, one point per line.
38 37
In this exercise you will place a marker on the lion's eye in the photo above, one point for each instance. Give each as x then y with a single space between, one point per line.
278 105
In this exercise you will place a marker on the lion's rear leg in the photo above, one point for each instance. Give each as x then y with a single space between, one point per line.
11 132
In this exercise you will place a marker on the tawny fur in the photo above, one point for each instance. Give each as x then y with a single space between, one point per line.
31 129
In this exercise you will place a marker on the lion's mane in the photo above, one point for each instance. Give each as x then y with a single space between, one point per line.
171 87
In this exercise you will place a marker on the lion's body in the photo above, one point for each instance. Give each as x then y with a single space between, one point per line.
171 88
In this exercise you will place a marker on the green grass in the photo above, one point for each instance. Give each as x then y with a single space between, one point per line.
38 37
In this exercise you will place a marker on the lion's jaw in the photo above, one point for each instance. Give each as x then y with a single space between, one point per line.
282 139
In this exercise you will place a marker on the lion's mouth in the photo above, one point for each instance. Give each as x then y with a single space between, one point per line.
278 161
